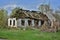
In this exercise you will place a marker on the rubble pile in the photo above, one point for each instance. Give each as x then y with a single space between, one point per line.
54 28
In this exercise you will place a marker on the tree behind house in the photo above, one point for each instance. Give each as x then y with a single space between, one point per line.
16 13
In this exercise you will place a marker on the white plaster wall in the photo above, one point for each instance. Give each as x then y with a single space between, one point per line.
39 23
12 22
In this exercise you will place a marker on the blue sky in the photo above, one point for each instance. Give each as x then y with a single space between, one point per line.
29 4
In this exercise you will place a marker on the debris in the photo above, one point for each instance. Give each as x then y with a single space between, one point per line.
47 28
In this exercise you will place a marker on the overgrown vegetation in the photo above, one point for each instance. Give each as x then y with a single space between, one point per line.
3 18
17 34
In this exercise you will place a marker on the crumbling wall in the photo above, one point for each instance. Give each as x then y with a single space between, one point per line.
56 25
45 26
53 28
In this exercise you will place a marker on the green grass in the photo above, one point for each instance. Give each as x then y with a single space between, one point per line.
13 34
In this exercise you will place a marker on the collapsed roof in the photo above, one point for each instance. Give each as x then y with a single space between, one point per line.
29 14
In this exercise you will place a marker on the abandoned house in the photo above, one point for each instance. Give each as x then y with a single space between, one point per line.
36 19
28 18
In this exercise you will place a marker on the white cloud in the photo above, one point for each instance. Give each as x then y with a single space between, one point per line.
12 6
9 7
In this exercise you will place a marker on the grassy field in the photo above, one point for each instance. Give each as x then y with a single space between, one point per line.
13 34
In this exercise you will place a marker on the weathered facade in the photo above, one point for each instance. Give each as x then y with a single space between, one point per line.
35 19
28 18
